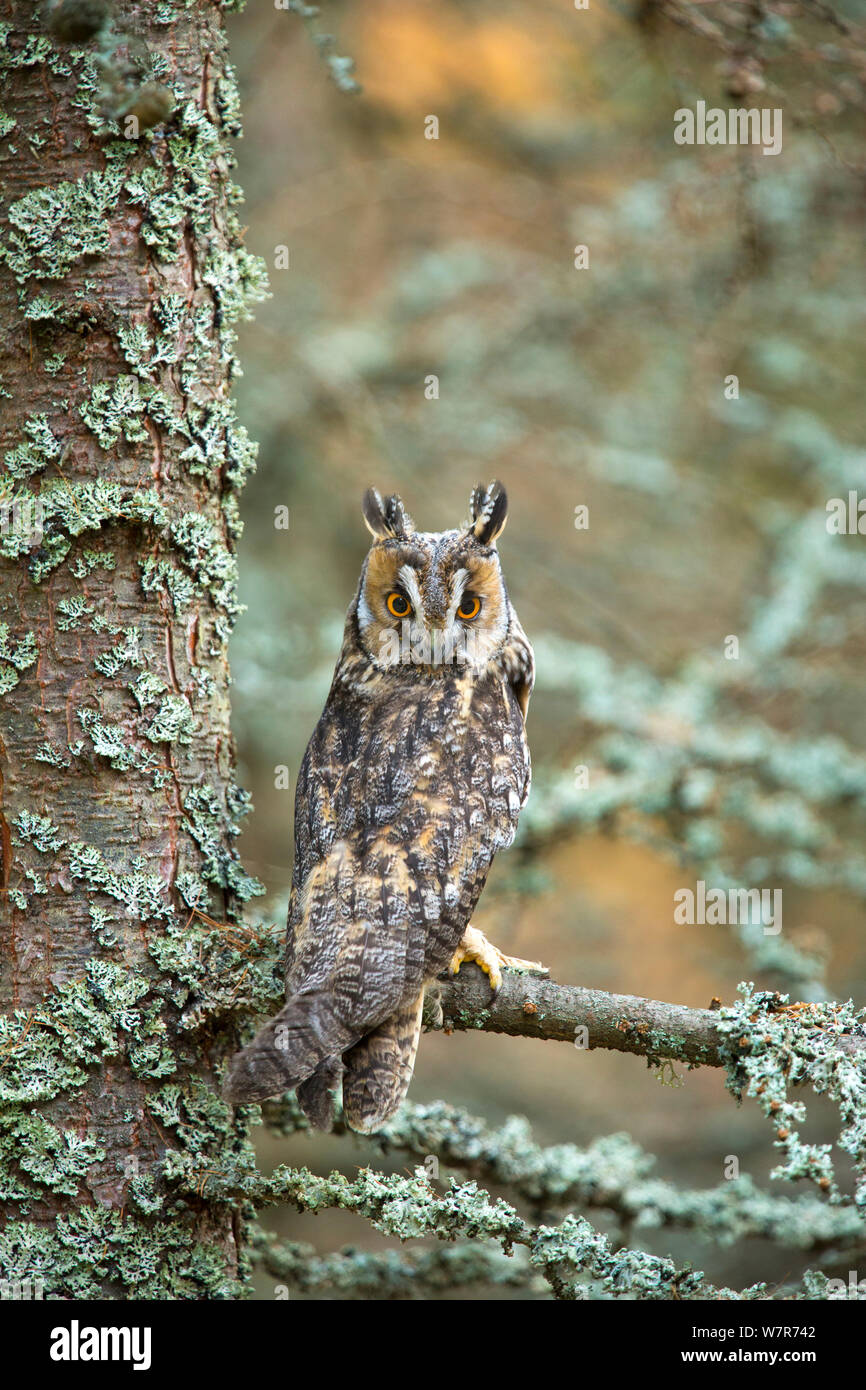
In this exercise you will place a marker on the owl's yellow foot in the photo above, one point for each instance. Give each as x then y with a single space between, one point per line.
474 946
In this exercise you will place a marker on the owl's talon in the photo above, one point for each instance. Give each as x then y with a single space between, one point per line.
475 947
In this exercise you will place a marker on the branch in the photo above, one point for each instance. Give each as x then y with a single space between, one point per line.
380 1274
532 1006
612 1174
572 1256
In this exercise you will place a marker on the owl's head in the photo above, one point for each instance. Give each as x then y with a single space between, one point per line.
433 599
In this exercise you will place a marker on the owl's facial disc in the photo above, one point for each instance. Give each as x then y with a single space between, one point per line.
436 601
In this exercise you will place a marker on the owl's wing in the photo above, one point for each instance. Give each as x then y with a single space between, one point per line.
354 954
518 663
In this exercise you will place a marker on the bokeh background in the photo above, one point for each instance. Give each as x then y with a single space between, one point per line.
603 388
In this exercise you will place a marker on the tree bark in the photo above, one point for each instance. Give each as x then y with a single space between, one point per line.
121 274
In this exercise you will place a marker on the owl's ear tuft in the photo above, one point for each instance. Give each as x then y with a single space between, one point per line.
386 520
488 511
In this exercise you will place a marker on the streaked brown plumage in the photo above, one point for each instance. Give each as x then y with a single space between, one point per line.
413 779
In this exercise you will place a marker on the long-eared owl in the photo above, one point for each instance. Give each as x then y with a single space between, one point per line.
413 779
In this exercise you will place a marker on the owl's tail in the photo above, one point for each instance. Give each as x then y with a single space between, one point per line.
378 1069
288 1049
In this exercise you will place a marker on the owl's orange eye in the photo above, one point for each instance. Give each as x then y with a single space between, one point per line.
398 605
469 608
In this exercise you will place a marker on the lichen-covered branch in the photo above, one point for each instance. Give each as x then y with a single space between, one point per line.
615 1174
572 1257
532 1006
612 1174
766 1044
391 1273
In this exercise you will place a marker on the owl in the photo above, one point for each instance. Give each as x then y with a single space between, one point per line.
413 779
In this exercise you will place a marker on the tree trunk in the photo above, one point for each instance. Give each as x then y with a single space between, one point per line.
121 275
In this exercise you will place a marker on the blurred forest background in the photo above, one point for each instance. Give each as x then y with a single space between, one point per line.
603 388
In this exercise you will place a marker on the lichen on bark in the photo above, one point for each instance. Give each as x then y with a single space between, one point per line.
122 274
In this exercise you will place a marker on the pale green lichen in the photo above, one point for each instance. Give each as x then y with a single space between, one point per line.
127 652
46 1051
15 656
169 200
95 1246
53 1158
219 445
184 337
197 1115
87 561
158 575
71 509
43 309
36 51
389 1274
100 925
143 1194
38 831
53 228
112 742
147 688
193 890
173 721
612 1173
209 824
774 1047
570 1256
71 613
114 410
217 969
143 894
142 353
36 452
49 753
208 559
